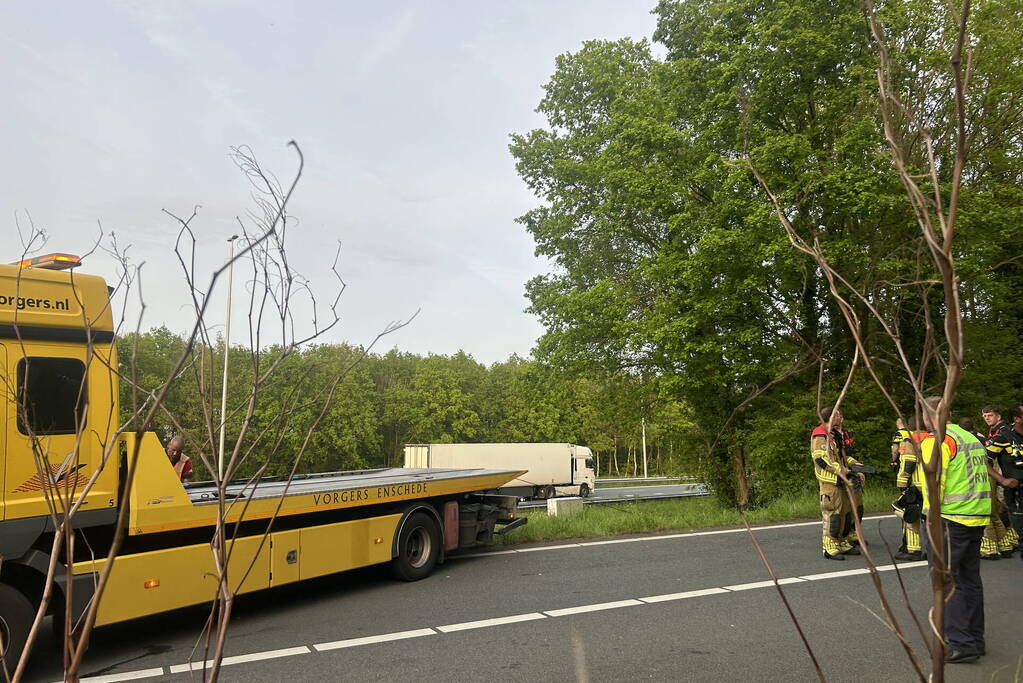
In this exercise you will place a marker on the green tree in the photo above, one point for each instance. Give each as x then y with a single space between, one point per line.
668 260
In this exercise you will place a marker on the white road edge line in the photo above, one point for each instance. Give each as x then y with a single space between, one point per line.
835 575
582 609
126 676
547 547
662 537
495 552
369 640
683 596
242 659
762 584
483 623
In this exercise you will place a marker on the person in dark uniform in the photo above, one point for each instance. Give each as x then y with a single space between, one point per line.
1006 447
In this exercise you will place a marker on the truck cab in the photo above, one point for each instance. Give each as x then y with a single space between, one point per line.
584 476
60 407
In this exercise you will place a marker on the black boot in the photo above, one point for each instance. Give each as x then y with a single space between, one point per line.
829 556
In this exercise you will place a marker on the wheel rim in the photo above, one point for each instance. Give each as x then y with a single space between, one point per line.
419 547
5 636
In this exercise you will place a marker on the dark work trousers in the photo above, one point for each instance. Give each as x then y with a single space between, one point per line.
1014 503
964 611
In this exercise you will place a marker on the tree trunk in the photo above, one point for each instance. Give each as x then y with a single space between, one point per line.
741 478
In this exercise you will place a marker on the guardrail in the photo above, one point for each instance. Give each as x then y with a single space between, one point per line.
692 490
644 480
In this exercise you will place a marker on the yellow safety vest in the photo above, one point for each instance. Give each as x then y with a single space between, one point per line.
965 488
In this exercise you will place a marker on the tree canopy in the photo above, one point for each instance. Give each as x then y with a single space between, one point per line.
670 264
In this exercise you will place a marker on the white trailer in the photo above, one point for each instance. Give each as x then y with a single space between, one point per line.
551 468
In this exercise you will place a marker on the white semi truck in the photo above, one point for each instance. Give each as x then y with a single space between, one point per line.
551 468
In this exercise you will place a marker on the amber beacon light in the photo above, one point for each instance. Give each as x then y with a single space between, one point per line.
54 261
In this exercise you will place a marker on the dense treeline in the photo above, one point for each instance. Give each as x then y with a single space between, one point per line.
385 401
672 265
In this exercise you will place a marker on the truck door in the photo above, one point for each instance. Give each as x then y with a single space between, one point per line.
582 468
51 398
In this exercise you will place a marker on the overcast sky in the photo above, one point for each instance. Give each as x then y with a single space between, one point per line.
114 111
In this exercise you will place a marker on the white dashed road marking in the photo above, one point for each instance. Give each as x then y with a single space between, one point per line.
128 676
369 640
241 659
762 584
484 623
582 609
684 595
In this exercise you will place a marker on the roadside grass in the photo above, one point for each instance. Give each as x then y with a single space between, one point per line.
683 514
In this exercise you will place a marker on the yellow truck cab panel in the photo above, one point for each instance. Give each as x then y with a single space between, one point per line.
60 392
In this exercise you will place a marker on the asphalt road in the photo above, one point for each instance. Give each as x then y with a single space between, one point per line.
676 607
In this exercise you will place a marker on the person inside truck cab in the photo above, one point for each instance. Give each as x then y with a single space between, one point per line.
182 463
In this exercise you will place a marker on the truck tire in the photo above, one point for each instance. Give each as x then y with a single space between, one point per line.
418 548
16 615
549 492
584 490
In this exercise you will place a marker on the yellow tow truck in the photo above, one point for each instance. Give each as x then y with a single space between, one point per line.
57 374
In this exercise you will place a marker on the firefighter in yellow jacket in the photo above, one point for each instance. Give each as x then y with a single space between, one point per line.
829 457
907 464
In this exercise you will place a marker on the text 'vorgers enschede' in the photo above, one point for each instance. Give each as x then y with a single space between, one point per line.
357 495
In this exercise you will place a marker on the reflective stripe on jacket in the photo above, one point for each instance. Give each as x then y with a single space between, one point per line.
834 452
907 454
180 466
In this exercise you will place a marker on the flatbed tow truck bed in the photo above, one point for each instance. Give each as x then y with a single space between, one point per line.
159 502
201 493
380 509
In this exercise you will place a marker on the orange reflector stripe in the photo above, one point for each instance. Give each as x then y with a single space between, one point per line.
152 583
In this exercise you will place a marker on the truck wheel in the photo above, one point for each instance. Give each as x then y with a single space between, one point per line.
16 615
584 490
418 548
549 492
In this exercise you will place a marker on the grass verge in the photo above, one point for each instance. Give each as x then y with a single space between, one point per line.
682 514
